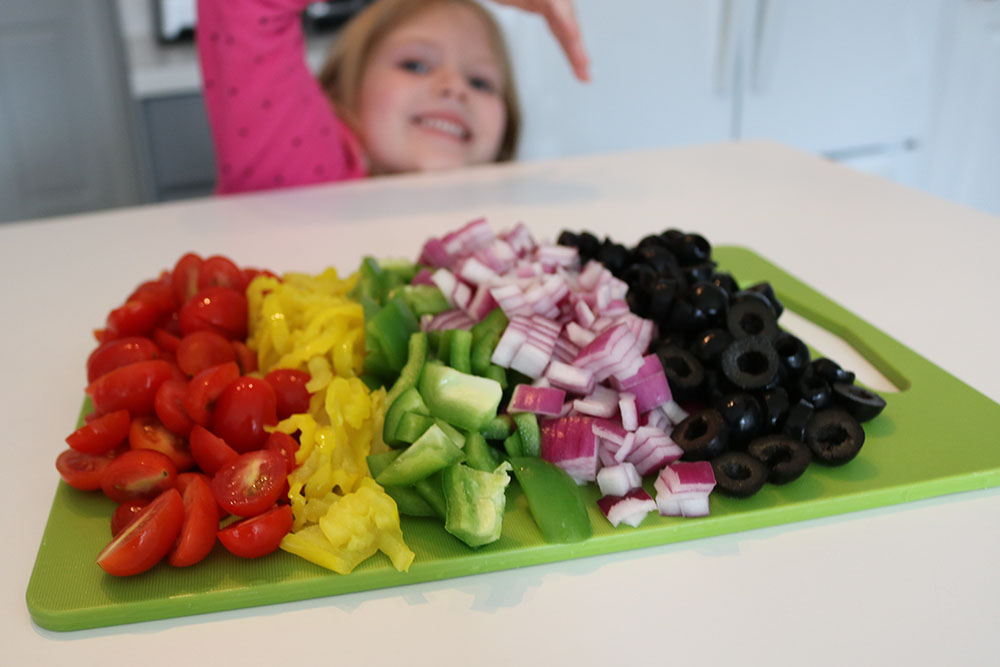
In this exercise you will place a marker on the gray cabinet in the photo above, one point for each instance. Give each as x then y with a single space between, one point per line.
178 146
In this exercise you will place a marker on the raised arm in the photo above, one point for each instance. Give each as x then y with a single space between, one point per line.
272 125
561 17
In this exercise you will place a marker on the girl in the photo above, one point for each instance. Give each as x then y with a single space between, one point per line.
409 85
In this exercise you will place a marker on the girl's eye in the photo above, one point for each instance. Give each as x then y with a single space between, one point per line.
482 84
415 66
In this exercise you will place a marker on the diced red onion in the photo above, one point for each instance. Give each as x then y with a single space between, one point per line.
674 412
689 476
570 443
434 254
423 277
474 271
627 408
648 384
481 304
446 282
520 239
469 238
570 378
462 295
540 400
449 319
629 509
618 479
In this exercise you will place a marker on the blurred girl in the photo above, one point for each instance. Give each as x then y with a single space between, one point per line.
409 85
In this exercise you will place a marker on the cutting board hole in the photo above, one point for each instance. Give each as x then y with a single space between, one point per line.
830 345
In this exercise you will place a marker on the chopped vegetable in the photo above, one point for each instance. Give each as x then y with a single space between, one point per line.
631 508
475 501
461 399
554 500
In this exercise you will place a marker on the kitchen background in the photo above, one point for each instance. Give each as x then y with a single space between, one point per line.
100 103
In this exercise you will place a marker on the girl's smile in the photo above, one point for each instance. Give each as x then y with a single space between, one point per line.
431 95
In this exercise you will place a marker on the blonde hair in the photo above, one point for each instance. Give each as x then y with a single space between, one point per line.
344 68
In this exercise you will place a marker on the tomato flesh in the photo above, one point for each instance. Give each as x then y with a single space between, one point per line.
205 387
202 349
124 514
138 474
119 352
81 470
184 277
132 387
258 535
250 484
219 309
169 407
146 539
201 522
209 450
102 434
148 432
290 389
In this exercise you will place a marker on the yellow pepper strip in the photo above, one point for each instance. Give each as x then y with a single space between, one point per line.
341 516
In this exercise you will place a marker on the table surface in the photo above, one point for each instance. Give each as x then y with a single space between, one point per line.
907 584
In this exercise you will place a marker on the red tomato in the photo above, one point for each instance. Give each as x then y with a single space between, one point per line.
245 357
169 406
249 273
201 349
102 434
131 387
159 294
166 340
124 514
120 352
242 411
201 522
219 309
205 387
184 478
138 474
285 445
135 317
147 432
219 271
147 539
290 388
258 535
250 484
82 471
184 277
210 451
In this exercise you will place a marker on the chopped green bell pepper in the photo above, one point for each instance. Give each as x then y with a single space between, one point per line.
408 500
390 328
432 451
554 500
531 435
460 351
416 356
422 299
464 401
478 454
409 401
475 502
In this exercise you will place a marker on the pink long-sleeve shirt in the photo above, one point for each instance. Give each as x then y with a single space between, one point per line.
272 125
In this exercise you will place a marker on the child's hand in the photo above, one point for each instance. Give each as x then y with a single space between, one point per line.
561 17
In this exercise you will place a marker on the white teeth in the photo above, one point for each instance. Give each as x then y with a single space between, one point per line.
445 126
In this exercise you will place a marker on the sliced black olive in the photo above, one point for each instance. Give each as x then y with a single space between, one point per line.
651 239
639 276
699 273
701 435
792 352
685 374
614 256
750 363
711 300
862 404
689 249
776 404
742 416
658 257
813 388
587 245
708 345
834 436
785 458
568 238
660 298
797 419
725 281
750 314
830 370
767 291
738 474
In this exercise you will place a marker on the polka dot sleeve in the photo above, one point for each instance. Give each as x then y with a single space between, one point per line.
272 125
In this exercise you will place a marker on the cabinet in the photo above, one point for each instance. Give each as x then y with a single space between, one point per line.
851 79
963 160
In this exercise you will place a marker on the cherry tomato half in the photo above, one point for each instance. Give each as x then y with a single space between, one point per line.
119 352
258 535
203 349
205 387
245 357
184 277
209 450
132 387
148 432
201 522
251 484
220 271
101 434
290 388
169 407
285 445
138 474
124 514
242 411
147 539
81 470
219 309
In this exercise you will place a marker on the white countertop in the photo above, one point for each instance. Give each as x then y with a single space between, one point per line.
912 584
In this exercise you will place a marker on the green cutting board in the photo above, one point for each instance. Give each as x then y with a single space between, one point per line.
910 453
